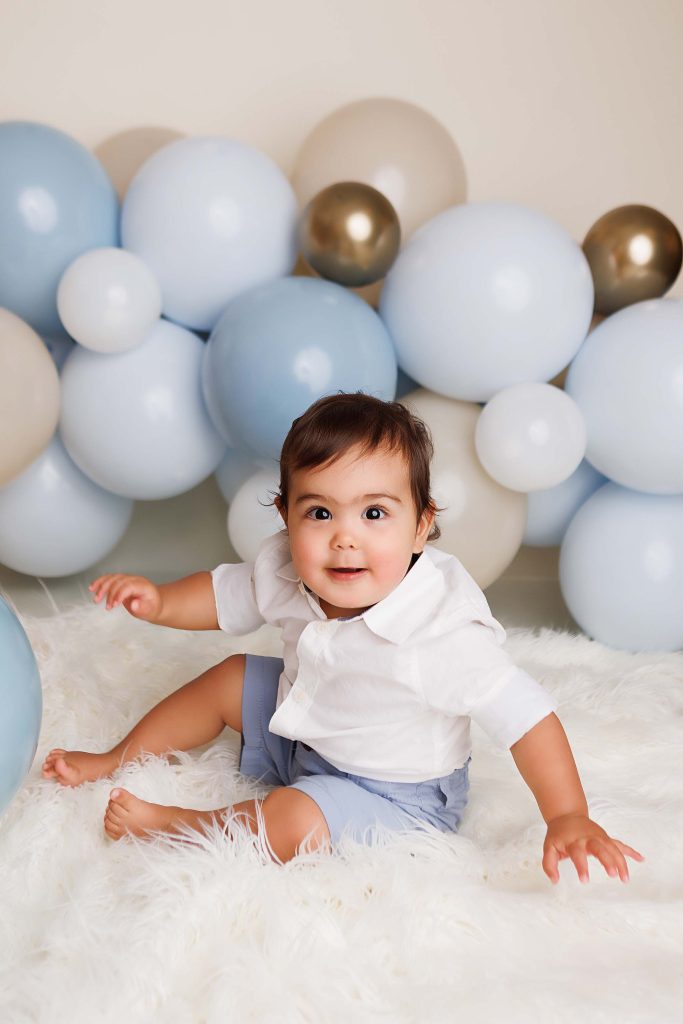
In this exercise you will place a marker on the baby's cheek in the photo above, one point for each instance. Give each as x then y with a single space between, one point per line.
389 569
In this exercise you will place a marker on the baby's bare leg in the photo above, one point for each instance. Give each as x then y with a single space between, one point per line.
195 714
288 818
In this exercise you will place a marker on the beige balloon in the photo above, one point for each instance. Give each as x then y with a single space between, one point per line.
122 155
29 396
482 523
396 147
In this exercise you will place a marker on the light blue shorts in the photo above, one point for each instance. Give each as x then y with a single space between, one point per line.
350 804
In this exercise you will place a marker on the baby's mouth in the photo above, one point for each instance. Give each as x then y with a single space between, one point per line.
347 572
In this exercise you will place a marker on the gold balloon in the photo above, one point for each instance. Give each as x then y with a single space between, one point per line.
635 253
349 233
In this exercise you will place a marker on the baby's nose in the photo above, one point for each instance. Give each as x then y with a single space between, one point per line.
344 538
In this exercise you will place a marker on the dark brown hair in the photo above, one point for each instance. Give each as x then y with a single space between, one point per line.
336 423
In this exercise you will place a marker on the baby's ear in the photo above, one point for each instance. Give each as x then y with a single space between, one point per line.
277 501
424 528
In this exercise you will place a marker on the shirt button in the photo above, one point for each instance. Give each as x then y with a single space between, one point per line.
297 696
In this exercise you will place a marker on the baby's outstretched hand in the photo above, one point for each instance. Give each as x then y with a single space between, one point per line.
137 594
576 836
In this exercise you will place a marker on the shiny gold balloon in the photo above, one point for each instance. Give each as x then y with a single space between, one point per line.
349 233
634 253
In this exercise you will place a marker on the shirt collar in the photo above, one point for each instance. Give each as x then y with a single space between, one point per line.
411 604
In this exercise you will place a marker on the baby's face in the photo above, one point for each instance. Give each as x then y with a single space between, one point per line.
353 529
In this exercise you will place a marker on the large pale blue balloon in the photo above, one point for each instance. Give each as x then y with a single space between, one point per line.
56 202
282 345
487 295
54 521
135 422
621 569
550 512
627 380
210 217
21 701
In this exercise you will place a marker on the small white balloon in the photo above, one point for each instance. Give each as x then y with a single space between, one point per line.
108 300
54 521
250 518
530 437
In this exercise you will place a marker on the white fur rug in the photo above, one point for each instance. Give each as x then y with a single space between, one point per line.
432 928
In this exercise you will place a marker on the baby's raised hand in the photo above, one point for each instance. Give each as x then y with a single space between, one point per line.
576 836
137 594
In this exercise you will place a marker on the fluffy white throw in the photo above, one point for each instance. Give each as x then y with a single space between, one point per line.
427 928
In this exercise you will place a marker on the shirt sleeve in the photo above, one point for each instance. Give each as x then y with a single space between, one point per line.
485 684
235 596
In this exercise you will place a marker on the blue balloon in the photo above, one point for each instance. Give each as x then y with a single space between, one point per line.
56 202
234 469
282 345
621 569
550 512
56 521
405 384
22 705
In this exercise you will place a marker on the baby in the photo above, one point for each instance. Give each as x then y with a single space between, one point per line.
389 650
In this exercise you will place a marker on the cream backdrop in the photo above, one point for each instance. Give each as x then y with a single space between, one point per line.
571 106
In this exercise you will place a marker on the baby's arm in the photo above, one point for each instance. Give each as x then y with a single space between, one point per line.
188 603
545 762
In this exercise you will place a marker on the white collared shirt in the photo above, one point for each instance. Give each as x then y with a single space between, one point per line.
388 694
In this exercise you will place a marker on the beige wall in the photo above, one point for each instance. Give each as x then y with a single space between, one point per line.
570 106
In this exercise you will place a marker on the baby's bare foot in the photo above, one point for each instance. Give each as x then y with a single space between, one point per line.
72 767
126 813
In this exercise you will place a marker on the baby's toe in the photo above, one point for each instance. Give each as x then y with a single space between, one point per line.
121 802
67 773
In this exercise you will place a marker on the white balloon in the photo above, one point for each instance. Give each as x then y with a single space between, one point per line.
481 523
54 521
108 300
530 437
250 520
627 380
211 217
135 422
486 295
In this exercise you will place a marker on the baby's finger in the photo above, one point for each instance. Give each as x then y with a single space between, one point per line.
610 858
628 850
103 585
123 591
550 861
580 861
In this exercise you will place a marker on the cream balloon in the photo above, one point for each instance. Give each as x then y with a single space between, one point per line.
29 396
530 436
250 518
482 523
108 300
122 155
396 147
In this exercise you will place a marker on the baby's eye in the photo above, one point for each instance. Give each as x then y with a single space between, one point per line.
374 513
321 514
